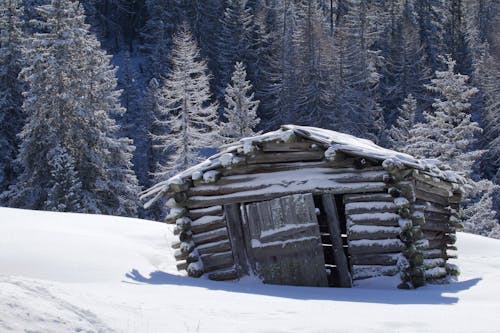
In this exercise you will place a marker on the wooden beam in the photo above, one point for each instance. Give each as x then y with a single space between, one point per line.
214 247
215 261
210 236
234 227
375 259
207 223
223 274
380 197
332 218
197 213
260 157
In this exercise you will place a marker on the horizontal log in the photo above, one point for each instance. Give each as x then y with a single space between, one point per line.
436 262
378 219
272 192
431 197
434 207
215 247
433 216
282 178
435 273
215 261
380 197
181 265
433 234
375 259
433 226
175 245
275 167
425 187
370 207
211 236
357 232
432 181
223 274
197 213
434 254
367 271
436 244
262 157
207 223
375 246
272 146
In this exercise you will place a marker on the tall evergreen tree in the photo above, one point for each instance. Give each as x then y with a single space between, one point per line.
449 132
241 107
11 117
71 95
236 38
185 105
400 131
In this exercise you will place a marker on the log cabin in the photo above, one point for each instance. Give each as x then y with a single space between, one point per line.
313 207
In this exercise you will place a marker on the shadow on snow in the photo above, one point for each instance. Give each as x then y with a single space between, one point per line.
430 294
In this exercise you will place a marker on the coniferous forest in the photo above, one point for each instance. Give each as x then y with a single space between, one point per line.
100 99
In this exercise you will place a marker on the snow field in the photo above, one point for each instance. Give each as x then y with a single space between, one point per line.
87 273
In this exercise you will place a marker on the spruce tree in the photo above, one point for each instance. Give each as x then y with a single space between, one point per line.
400 131
70 100
235 39
11 62
241 107
447 133
185 104
64 193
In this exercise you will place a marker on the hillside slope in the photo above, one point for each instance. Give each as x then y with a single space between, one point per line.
86 273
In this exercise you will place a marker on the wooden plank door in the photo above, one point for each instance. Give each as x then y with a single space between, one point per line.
283 241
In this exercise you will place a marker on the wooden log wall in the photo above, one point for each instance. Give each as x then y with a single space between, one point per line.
372 234
441 202
384 207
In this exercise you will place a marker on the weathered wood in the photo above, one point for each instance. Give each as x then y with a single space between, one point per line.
262 157
283 178
436 244
298 260
375 246
181 265
211 236
370 207
433 226
316 187
219 246
367 271
378 219
431 197
344 276
380 197
214 261
234 226
356 233
429 180
175 245
434 254
375 259
207 223
272 146
425 187
197 213
224 274
185 236
248 170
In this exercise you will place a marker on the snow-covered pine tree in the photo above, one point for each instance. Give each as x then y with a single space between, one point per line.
479 215
235 40
185 104
71 96
241 107
448 133
11 100
399 133
64 194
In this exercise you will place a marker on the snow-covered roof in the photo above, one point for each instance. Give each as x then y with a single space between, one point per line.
333 141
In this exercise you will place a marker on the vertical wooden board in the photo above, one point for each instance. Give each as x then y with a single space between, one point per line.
234 226
302 261
340 258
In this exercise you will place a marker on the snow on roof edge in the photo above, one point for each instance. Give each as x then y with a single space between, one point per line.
339 141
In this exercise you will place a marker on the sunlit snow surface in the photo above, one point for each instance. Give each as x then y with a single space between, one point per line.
86 273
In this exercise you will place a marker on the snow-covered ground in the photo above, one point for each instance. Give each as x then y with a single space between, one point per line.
86 273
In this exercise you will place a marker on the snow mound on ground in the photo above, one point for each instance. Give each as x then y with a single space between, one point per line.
86 273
